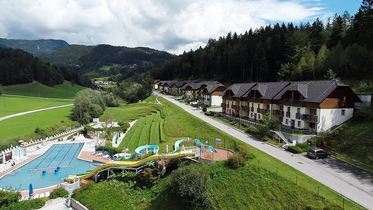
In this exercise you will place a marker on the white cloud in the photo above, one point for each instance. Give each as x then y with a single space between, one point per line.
172 25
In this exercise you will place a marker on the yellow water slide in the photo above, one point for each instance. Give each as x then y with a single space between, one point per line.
137 163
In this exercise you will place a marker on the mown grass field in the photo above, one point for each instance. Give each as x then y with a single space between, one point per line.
36 89
23 127
13 104
176 123
250 187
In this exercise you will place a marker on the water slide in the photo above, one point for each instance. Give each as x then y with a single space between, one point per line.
200 144
177 144
137 163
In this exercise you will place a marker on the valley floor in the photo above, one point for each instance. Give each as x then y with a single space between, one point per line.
353 186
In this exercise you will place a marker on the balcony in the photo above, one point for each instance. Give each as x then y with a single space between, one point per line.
262 111
279 113
236 107
295 103
310 118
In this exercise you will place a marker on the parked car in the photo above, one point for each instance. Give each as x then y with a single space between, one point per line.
317 153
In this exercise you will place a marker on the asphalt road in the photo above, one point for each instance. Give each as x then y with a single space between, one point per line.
343 178
32 111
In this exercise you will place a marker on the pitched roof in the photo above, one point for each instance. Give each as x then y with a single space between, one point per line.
312 91
198 84
213 87
239 89
268 90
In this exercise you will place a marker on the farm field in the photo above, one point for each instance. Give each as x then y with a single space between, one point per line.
36 89
24 126
286 182
13 104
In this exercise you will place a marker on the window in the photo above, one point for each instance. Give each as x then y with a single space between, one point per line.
288 109
286 121
281 107
298 123
312 111
298 110
258 106
343 112
252 114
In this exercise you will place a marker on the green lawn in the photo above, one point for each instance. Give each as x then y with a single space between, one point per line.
36 89
176 123
13 104
24 126
250 187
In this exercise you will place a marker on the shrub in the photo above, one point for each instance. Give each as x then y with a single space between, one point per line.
190 185
7 198
58 193
149 177
243 151
26 205
204 108
299 148
236 161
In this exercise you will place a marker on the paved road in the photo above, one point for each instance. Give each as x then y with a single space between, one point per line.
32 111
354 185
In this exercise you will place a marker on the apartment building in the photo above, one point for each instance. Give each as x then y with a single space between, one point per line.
212 95
233 104
260 99
194 89
305 105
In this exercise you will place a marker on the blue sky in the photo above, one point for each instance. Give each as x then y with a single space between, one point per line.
339 6
171 25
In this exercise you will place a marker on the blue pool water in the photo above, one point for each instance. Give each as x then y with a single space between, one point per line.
63 156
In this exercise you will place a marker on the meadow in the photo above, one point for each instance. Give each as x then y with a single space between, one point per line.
36 89
15 104
23 127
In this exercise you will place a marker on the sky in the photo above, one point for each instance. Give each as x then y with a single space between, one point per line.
171 25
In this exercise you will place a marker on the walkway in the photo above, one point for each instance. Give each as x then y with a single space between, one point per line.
353 186
32 111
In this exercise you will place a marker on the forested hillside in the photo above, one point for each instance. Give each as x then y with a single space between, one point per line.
35 47
341 47
17 66
82 63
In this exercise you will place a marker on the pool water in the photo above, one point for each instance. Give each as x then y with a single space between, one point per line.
62 156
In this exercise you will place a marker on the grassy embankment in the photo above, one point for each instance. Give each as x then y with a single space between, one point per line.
275 184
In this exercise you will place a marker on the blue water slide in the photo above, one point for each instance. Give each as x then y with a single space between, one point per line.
198 143
177 144
150 147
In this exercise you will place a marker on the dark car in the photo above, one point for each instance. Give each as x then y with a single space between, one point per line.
317 153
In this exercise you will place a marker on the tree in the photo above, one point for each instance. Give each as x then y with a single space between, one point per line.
88 104
190 184
1 89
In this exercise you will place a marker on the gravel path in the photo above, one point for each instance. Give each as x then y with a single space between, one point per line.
32 111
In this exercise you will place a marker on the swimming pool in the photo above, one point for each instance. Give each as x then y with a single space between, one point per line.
62 156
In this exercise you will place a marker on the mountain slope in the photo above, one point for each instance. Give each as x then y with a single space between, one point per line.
17 66
35 47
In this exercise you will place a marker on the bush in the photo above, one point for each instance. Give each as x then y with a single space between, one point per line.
149 177
299 148
26 205
190 185
243 151
7 198
236 161
204 108
58 193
